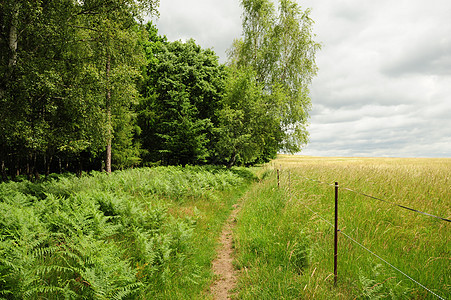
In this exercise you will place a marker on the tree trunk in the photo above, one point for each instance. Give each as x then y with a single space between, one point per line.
232 161
28 167
108 146
12 44
13 35
48 163
34 169
4 175
79 168
16 172
108 114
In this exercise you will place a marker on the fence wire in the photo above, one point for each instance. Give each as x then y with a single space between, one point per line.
386 201
321 217
365 248
399 205
390 264
374 254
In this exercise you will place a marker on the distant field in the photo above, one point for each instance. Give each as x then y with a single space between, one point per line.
285 242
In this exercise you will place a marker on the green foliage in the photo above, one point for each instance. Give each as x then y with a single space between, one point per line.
126 151
280 49
86 81
375 287
247 132
104 237
183 87
36 93
54 83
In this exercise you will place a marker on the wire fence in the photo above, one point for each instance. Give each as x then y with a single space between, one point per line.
337 230
380 199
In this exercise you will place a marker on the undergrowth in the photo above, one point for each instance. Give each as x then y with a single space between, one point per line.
134 234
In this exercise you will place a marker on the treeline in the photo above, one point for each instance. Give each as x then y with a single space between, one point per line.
87 85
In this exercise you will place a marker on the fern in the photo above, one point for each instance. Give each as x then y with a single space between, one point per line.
382 285
126 291
99 236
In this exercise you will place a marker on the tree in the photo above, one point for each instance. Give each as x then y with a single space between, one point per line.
183 90
112 32
247 132
36 85
68 82
280 48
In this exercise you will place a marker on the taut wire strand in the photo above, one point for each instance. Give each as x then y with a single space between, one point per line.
390 265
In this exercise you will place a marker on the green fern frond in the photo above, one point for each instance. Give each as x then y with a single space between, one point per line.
42 290
126 291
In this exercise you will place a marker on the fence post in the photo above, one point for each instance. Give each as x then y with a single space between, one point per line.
278 179
289 181
336 235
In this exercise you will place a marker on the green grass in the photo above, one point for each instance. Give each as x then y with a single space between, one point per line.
152 233
273 220
135 234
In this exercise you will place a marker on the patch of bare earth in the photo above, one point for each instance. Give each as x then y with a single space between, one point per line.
222 265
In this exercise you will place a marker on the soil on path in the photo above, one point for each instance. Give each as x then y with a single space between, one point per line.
222 265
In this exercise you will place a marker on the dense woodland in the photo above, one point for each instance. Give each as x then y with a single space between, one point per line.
90 85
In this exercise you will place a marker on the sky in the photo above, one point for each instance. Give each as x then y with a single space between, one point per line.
383 87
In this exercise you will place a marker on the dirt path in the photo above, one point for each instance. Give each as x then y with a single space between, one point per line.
222 265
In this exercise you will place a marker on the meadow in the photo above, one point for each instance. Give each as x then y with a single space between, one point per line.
152 233
284 238
147 233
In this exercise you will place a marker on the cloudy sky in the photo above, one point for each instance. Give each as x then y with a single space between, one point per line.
384 81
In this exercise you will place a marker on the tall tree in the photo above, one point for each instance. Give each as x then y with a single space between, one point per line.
113 35
255 50
246 133
67 83
279 47
183 89
35 84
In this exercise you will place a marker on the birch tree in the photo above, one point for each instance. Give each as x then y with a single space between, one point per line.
67 84
279 46
110 28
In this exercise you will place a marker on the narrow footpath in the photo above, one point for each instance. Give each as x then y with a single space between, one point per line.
222 265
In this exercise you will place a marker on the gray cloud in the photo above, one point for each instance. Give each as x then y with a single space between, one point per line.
384 81
212 23
384 84
431 57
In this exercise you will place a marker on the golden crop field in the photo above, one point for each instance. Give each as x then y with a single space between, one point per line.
373 232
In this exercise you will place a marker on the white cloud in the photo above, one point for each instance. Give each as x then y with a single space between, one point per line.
384 84
212 23
384 81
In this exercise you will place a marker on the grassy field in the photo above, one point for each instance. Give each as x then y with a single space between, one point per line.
284 241
134 234
152 233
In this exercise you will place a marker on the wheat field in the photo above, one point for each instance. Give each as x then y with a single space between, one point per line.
301 212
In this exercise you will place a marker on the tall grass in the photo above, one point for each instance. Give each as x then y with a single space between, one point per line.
272 247
414 243
135 234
